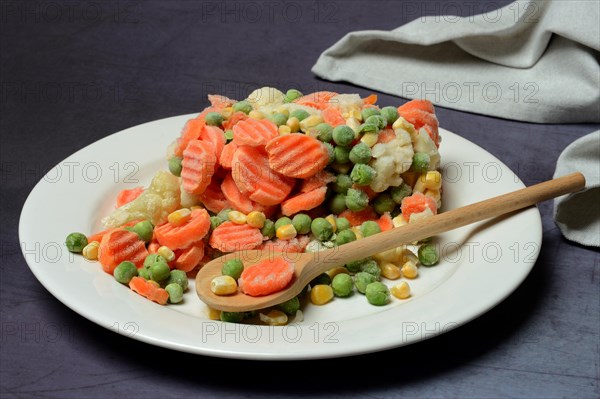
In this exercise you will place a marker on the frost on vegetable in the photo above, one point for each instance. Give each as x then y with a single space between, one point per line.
390 160
155 204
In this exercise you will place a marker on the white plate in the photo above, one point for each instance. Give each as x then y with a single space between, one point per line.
480 266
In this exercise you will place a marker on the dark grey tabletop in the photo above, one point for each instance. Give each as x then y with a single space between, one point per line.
74 72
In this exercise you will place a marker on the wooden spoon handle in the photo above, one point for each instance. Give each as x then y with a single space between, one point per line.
455 218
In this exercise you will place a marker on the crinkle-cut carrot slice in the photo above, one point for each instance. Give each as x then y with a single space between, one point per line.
198 166
120 245
423 105
128 195
321 179
149 290
318 99
253 176
358 218
234 119
297 155
235 198
266 277
417 203
216 138
227 155
303 201
254 132
177 237
98 236
423 119
371 99
295 245
385 222
333 116
191 131
213 198
219 102
189 258
230 237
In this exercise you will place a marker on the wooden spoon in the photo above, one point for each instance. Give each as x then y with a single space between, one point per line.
309 265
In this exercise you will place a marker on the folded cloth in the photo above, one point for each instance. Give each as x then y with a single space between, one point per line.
578 215
532 60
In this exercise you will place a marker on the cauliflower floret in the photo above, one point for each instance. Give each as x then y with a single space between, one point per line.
350 105
266 96
155 203
390 160
423 143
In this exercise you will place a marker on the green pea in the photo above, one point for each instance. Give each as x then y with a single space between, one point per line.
372 268
175 166
368 128
214 119
400 192
124 272
144 273
321 279
268 229
355 266
282 221
322 229
175 292
233 268
343 224
377 293
301 223
152 259
224 214
390 114
242 106
324 132
428 255
343 168
215 222
337 204
383 203
178 277
343 135
356 200
368 112
369 228
290 306
144 229
342 285
420 162
344 237
292 94
232 317
342 154
228 134
362 280
376 120
75 242
360 153
160 271
278 119
362 174
341 184
300 114
330 151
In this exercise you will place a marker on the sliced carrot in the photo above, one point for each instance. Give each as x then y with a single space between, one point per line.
358 218
295 245
149 290
191 131
205 111
219 102
297 155
234 119
318 100
214 136
253 176
319 180
333 116
119 245
128 195
227 155
266 277
385 222
417 203
238 201
98 236
423 105
253 132
153 247
386 135
177 237
423 119
229 237
213 199
199 163
303 201
366 189
372 99
190 257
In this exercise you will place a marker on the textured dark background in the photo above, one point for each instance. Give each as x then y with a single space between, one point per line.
74 72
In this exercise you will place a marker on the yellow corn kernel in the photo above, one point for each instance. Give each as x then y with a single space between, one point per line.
390 271
435 195
309 122
214 314
166 253
293 123
227 112
256 219
284 129
179 217
356 231
419 186
337 270
399 221
401 291
404 255
370 138
274 318
353 124
332 222
433 180
356 114
320 294
254 114
403 124
283 110
90 251
237 217
386 256
409 270
223 285
286 232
